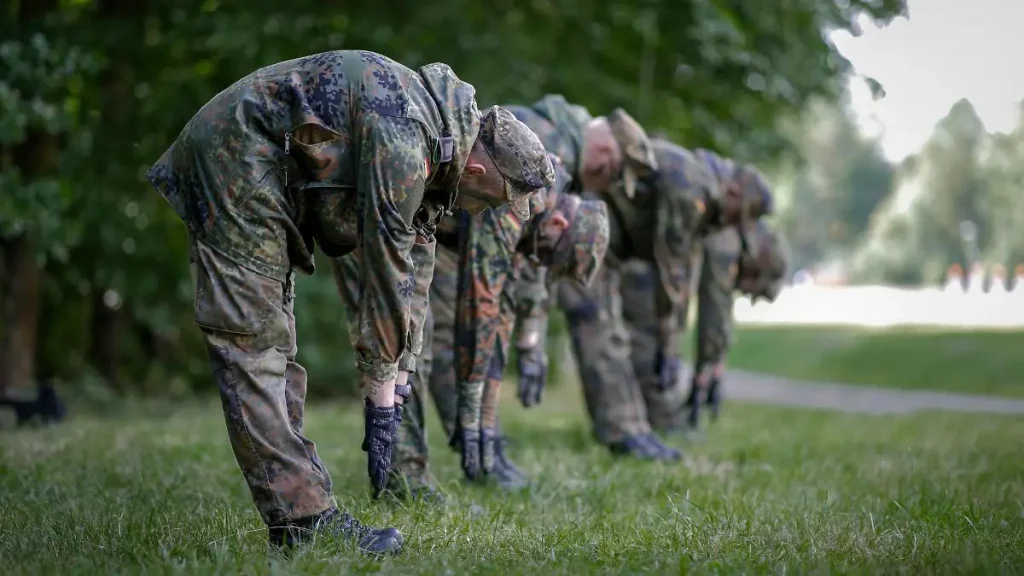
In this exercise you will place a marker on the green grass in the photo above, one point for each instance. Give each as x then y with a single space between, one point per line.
978 362
770 490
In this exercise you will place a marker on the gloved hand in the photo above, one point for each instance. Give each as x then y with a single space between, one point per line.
379 436
478 449
533 375
669 370
715 395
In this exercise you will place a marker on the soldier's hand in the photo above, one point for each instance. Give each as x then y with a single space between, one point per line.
669 371
379 436
533 375
477 452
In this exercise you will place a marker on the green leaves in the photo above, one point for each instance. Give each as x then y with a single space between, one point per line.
117 81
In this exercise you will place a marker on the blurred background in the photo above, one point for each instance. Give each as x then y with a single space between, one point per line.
897 153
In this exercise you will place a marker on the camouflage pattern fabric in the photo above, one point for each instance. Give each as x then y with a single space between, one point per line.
559 126
660 232
601 347
664 408
718 272
493 255
253 175
496 246
435 369
248 323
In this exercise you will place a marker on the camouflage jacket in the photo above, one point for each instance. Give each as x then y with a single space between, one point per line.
491 258
358 139
670 210
719 266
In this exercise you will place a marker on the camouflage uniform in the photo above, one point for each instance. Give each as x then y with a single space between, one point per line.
560 127
320 148
717 258
485 252
757 272
661 225
721 262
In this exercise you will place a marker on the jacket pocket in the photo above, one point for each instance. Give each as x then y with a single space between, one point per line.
230 298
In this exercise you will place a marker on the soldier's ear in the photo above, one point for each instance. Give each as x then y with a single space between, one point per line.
558 220
474 169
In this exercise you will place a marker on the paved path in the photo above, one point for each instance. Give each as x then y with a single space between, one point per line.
765 389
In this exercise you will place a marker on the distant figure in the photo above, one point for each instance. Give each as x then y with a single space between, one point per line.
1018 279
47 406
997 283
976 280
954 279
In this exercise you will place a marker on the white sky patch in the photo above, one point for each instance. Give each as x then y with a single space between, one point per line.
948 50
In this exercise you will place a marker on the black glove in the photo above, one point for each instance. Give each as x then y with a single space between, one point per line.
379 443
533 375
478 448
669 368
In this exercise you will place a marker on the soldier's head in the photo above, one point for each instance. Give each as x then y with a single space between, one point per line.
570 236
763 268
615 147
507 163
745 194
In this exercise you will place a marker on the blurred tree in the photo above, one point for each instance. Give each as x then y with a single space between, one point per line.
918 234
828 197
1004 206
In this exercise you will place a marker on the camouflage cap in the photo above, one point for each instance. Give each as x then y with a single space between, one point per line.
581 249
637 152
757 195
518 155
768 265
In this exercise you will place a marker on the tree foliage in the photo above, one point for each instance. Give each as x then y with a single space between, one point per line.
99 88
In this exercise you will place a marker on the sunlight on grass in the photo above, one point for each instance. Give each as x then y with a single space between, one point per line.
978 362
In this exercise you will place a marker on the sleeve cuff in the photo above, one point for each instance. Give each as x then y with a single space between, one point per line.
407 363
377 370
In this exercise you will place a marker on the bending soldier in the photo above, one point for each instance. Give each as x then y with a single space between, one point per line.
348 149
483 252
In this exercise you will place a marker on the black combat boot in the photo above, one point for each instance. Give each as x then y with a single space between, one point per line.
336 524
504 471
645 447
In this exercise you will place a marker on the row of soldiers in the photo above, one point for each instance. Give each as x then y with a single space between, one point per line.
446 225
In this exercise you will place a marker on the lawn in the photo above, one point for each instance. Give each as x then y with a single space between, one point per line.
978 362
769 490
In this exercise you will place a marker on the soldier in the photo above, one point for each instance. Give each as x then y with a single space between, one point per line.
722 270
565 233
601 154
347 149
688 196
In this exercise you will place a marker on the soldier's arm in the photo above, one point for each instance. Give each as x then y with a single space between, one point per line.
392 174
486 249
532 304
684 188
714 312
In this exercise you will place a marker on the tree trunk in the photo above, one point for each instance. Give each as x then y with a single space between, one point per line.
21 314
35 157
104 334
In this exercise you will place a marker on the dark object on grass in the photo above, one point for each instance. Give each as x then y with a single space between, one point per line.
47 406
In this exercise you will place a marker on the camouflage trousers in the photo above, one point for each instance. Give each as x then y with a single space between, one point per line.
665 410
602 347
435 367
248 324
